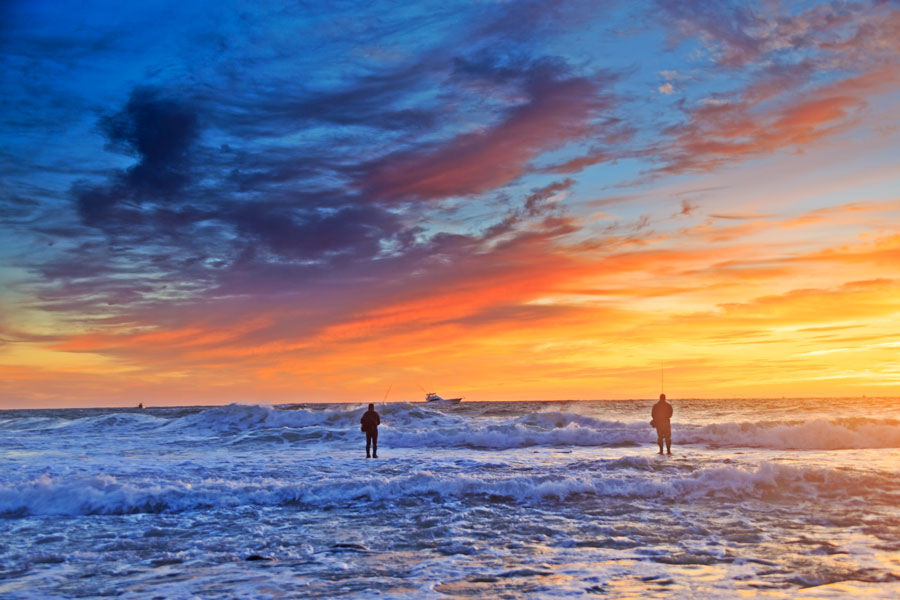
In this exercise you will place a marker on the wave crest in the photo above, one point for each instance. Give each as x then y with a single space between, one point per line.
105 494
420 426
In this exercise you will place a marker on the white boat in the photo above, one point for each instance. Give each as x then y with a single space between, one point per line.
432 398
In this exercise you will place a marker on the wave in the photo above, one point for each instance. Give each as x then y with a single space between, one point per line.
31 423
114 423
412 426
420 426
816 434
108 495
572 429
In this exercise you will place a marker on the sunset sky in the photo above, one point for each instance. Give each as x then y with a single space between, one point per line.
213 202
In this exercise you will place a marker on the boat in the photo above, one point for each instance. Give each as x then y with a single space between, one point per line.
432 398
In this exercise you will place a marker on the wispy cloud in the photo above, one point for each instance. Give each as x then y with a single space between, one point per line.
304 197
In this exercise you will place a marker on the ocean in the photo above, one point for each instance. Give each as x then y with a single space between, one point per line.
761 498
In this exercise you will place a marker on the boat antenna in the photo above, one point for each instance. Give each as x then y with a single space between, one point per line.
421 388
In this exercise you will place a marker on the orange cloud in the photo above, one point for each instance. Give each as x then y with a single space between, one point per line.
532 317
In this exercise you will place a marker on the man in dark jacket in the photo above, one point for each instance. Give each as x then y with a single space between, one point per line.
370 422
661 414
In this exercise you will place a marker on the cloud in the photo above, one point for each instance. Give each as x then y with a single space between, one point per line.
372 100
451 281
687 207
556 108
539 201
864 300
580 163
835 34
199 200
350 231
160 132
323 198
729 25
811 74
745 128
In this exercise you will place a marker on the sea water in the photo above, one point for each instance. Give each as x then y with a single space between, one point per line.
762 498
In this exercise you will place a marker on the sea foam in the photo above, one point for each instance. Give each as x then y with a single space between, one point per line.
419 426
108 494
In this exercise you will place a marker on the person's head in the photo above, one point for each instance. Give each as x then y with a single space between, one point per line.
662 397
371 407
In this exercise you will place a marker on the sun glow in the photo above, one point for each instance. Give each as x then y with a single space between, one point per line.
506 219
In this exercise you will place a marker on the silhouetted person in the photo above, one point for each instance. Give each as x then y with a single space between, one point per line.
370 422
662 415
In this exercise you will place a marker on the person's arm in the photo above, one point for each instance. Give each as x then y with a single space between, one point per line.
377 419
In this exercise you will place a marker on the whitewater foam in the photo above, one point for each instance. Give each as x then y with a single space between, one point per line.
516 499
412 426
815 434
622 478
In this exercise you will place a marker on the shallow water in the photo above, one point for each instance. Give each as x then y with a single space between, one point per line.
763 498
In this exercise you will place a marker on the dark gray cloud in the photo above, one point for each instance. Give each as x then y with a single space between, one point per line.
354 231
537 202
215 172
232 168
160 132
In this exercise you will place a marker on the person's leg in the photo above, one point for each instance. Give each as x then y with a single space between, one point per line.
368 443
659 441
375 444
668 445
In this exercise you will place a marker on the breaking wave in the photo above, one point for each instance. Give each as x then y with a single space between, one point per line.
816 434
106 494
419 426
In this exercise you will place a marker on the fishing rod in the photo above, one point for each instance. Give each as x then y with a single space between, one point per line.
383 400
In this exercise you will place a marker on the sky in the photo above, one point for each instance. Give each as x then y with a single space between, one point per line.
273 202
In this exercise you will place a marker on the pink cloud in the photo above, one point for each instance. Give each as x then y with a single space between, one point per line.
557 111
747 127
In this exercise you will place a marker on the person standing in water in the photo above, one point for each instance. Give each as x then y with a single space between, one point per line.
369 425
662 415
